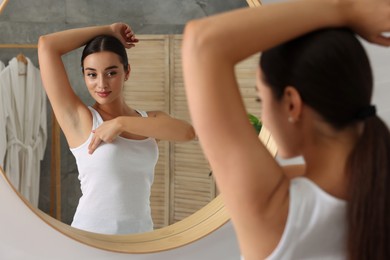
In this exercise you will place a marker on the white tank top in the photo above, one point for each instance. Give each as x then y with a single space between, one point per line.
115 183
316 225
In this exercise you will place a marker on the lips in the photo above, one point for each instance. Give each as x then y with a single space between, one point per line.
103 94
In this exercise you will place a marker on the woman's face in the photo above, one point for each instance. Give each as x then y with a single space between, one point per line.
274 117
104 76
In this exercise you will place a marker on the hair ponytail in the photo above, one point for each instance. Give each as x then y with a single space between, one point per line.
331 71
368 213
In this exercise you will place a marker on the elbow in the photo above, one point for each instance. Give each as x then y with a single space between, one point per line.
190 134
187 133
197 38
189 37
42 42
46 44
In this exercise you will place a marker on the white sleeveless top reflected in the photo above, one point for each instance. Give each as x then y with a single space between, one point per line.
316 225
115 183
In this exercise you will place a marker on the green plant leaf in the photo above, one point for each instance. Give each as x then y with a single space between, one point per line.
255 122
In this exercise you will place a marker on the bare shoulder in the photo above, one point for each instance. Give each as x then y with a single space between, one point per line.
156 113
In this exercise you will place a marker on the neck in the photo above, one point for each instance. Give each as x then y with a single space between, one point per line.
114 109
326 156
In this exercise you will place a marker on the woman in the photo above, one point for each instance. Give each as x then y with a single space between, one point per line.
315 85
114 145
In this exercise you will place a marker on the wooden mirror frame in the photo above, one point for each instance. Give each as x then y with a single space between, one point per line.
3 3
190 229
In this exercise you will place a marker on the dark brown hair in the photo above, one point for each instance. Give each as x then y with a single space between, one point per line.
332 73
105 43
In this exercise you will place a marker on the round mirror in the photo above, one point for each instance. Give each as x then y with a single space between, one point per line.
182 184
180 163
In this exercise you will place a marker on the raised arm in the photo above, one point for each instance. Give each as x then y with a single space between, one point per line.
253 185
72 115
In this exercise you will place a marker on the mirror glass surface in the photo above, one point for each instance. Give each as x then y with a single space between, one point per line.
160 26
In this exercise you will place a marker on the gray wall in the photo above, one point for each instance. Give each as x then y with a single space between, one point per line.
24 21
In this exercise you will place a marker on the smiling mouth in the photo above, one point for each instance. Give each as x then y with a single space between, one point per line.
103 94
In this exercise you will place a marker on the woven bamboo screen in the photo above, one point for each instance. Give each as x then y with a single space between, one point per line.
182 183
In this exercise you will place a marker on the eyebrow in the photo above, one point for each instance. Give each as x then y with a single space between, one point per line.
108 68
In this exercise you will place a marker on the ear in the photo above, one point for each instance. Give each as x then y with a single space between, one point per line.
128 72
293 103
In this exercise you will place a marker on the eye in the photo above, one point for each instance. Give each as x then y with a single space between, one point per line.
258 100
91 75
111 73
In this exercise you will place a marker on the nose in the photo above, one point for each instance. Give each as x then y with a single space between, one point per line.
102 83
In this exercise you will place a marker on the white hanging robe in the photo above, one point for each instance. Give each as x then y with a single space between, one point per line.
23 127
2 124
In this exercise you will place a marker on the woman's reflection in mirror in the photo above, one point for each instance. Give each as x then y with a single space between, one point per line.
315 83
115 145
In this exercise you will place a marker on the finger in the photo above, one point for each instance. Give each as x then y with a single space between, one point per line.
94 136
90 144
94 144
132 39
382 40
129 45
128 29
129 34
92 149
